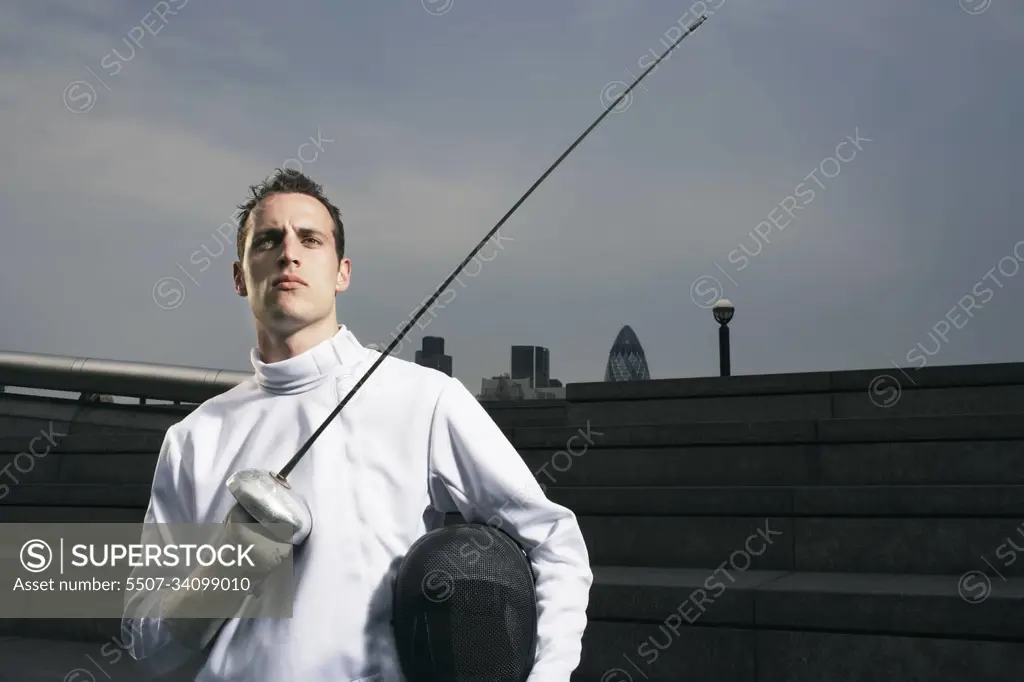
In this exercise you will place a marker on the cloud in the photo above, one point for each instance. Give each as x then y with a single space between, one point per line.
434 135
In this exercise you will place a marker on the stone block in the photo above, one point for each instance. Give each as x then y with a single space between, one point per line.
647 652
695 542
961 462
702 387
712 409
46 660
692 465
952 427
939 545
662 435
921 605
813 657
919 402
69 514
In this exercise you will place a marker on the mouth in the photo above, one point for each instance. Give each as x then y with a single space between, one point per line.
288 282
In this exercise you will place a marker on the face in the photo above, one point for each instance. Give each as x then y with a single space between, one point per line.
290 270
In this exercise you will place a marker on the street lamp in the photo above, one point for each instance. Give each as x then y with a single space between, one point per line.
724 311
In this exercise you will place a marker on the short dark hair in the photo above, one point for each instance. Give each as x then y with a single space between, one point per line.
289 181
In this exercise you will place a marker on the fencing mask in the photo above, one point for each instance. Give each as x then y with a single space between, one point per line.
465 607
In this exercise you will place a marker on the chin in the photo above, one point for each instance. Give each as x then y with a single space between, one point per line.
291 314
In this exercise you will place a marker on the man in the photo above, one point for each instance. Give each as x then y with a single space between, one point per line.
411 445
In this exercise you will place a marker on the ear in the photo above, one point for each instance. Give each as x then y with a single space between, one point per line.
344 276
239 277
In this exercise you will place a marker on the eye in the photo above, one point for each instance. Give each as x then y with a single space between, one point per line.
313 239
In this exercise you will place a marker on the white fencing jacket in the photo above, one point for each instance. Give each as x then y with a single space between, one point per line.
411 445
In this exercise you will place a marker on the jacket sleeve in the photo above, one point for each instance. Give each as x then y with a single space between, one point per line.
143 628
475 470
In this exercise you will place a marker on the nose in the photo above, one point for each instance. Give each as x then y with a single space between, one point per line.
289 250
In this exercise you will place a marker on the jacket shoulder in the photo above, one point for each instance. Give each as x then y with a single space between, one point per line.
424 382
217 406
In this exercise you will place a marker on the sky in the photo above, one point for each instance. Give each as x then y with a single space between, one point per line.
846 173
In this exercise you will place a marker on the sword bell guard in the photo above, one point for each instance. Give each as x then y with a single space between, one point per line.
269 499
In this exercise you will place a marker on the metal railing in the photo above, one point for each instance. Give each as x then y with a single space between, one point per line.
113 377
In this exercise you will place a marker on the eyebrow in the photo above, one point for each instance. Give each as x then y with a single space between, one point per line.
277 230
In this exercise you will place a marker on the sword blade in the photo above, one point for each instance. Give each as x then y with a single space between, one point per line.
287 468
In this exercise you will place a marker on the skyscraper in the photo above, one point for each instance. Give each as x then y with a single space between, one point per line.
432 355
533 363
626 360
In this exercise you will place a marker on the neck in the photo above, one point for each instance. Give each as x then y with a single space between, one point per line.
275 346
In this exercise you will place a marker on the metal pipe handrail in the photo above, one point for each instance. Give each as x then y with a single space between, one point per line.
116 377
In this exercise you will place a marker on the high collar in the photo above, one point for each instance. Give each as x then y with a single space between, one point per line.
311 368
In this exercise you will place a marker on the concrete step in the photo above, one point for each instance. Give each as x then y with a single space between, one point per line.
706 536
827 405
842 381
71 629
978 608
917 545
902 545
905 605
628 652
881 393
909 463
527 412
989 427
131 496
594 436
24 429
859 545
106 459
106 416
687 624
961 501
119 442
89 458
984 449
610 654
883 501
24 514
55 660
37 411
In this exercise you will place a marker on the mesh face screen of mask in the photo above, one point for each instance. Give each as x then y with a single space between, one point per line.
465 608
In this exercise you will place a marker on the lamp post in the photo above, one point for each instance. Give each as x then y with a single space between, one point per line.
724 311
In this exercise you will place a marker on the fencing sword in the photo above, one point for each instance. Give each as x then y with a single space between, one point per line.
268 496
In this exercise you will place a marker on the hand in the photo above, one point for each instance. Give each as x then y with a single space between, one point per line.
267 552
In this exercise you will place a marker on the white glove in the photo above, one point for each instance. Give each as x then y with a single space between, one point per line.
267 552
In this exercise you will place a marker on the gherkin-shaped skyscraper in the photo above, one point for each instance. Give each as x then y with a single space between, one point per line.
626 361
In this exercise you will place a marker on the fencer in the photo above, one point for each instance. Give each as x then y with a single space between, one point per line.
412 445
